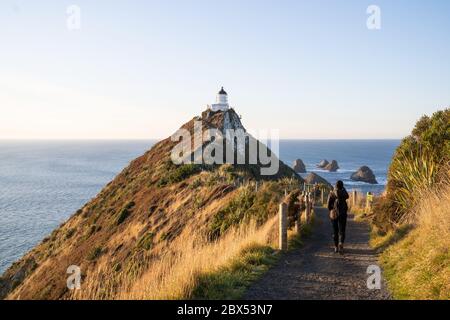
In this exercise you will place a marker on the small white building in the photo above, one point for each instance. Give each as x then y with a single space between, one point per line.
221 102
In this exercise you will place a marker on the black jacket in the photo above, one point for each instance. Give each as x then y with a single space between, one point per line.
342 195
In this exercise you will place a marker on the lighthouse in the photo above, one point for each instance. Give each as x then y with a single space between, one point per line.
221 102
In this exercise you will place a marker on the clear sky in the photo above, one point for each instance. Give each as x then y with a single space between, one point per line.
139 69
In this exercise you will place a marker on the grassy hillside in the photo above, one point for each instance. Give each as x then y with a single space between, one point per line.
155 229
411 225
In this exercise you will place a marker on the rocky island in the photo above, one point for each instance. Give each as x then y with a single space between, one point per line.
322 164
314 178
364 174
299 166
332 166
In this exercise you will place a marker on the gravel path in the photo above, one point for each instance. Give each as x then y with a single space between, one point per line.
316 272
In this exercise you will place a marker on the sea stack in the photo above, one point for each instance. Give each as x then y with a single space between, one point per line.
299 166
364 174
332 167
314 178
322 164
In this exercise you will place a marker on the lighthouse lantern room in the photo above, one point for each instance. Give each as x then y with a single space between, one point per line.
221 102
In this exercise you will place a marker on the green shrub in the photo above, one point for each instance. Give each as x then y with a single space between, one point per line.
130 205
162 182
122 216
94 253
183 172
70 233
125 212
433 133
196 183
417 165
411 171
117 267
179 174
164 236
93 229
146 242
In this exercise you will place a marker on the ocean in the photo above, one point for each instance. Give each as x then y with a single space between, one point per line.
350 155
42 183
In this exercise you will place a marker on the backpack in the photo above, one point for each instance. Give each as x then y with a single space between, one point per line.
334 213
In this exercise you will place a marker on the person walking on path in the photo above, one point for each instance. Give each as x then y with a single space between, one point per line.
337 205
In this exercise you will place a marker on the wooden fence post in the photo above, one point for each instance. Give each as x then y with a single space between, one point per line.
354 200
308 207
297 225
283 226
369 201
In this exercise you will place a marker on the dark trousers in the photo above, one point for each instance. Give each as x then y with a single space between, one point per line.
339 229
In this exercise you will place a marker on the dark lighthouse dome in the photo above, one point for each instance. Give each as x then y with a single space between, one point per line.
222 91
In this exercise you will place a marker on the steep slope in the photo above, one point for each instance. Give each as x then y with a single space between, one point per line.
137 216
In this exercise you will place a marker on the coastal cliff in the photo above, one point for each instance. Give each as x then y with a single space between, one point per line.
137 219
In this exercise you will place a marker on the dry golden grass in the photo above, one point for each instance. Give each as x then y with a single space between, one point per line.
175 274
417 264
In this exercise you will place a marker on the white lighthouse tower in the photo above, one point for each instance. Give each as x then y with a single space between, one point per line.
221 102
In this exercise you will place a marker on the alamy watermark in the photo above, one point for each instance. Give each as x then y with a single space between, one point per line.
74 280
374 20
234 146
374 280
73 21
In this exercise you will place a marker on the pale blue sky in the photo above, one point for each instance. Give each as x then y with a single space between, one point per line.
139 69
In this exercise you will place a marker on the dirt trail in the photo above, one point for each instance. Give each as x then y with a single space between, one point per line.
316 272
